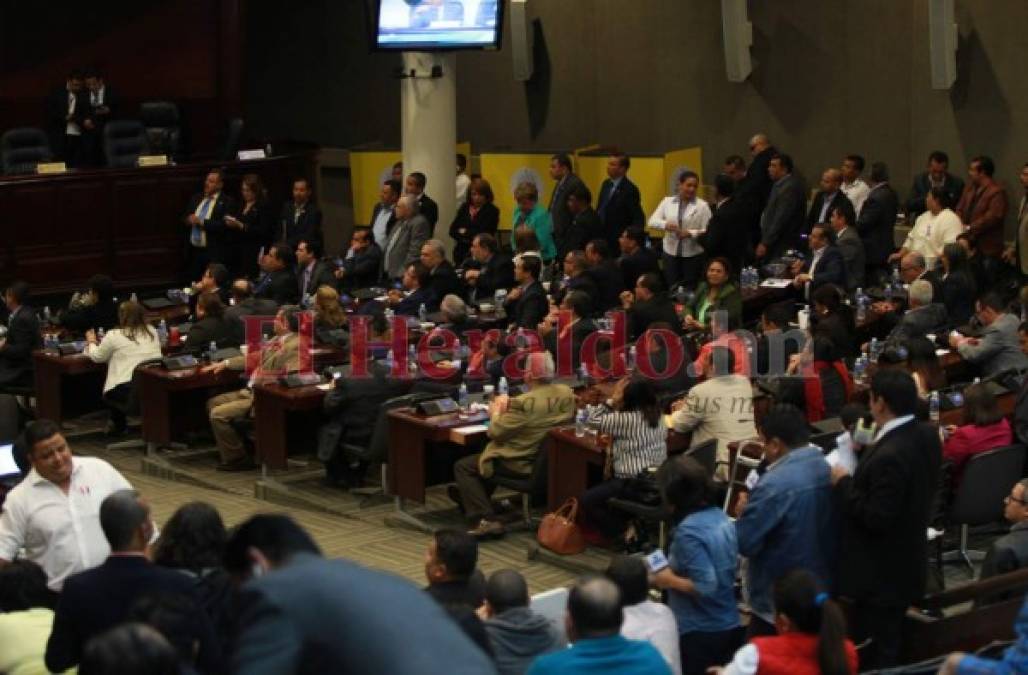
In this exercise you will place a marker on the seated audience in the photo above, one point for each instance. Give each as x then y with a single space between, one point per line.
329 317
94 308
245 304
721 407
923 316
53 514
827 385
593 625
443 280
1015 658
478 215
301 218
636 258
850 245
402 246
277 358
526 305
362 264
605 275
26 617
789 521
998 347
644 619
984 428
958 285
560 339
700 579
416 292
671 374
932 230
450 569
215 279
210 325
1010 552
576 278
1021 404
98 599
810 634
531 214
131 648
826 264
277 281
716 294
295 602
638 441
492 269
649 303
311 271
777 342
517 635
832 319
122 350
924 365
23 337
912 267
516 428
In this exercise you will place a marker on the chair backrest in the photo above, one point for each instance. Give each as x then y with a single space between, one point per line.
540 473
22 148
378 446
162 123
124 142
988 478
705 454
233 139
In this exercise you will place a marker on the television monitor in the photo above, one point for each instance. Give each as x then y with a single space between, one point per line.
437 25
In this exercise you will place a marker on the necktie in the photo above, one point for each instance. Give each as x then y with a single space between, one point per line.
263 283
197 236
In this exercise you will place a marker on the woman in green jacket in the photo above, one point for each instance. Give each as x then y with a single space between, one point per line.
715 294
535 217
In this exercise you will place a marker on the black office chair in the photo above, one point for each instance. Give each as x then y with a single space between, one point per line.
233 139
163 127
706 454
647 514
124 141
131 408
531 487
21 149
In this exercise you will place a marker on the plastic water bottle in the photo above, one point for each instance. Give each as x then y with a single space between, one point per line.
631 358
162 333
390 359
422 312
213 347
875 350
502 387
933 407
388 314
46 314
583 373
412 360
462 396
859 366
500 297
580 423
100 334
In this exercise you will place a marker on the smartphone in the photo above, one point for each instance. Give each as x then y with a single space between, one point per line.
656 561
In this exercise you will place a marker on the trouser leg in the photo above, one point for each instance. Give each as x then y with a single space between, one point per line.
222 411
475 493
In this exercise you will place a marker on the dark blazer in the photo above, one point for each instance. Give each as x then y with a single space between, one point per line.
619 210
838 328
429 209
583 282
579 231
839 201
728 232
1009 553
637 264
876 223
307 226
56 113
497 272
851 246
757 184
104 315
258 224
321 275
362 269
985 220
610 282
1021 414
235 316
23 337
280 286
530 309
582 329
222 242
443 281
886 507
560 214
781 224
464 227
209 328
411 305
98 599
958 294
919 321
644 313
935 280
105 111
915 206
352 405
831 269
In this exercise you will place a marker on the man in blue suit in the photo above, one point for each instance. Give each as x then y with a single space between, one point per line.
620 204
826 265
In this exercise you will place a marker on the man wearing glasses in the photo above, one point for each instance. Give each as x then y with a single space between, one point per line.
1010 552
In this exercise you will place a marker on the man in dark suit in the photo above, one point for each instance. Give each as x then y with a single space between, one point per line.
67 109
210 325
828 198
415 185
494 269
937 175
442 278
983 207
362 264
98 599
560 214
1009 553
564 342
301 218
876 223
620 204
526 305
755 184
825 265
605 275
101 104
278 282
383 216
923 316
885 508
416 279
781 223
22 337
244 304
585 224
649 304
209 240
728 231
636 259
311 271
914 267
851 246
576 278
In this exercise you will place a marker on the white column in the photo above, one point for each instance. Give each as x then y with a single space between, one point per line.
428 122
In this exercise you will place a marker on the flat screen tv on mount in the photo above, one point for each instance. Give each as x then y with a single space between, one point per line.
437 25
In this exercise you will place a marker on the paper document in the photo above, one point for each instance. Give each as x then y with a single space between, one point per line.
843 454
776 283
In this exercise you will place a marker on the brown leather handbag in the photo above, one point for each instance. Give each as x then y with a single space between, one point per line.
559 532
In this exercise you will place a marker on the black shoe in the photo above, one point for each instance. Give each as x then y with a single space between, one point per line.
241 464
114 431
454 494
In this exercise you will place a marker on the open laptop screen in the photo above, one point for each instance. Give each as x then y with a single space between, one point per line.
8 467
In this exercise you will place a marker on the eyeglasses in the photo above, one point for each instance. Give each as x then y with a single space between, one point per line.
1012 498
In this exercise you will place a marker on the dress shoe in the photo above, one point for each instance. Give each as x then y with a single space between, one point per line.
241 464
454 494
488 529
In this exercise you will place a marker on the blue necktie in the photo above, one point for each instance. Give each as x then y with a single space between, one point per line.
196 236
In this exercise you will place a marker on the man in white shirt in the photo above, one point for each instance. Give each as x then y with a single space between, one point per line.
644 619
933 229
54 513
852 185
463 180
384 215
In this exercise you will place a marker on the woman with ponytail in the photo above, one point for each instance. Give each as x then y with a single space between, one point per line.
811 635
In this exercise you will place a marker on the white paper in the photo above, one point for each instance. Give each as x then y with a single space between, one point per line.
473 429
752 478
843 454
325 387
776 283
941 352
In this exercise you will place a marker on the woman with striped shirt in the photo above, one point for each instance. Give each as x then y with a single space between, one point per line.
638 441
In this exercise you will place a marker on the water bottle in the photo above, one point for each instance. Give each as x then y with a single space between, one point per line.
412 360
580 423
162 333
858 369
875 350
631 358
422 312
100 334
46 314
213 347
933 407
500 297
502 387
462 396
388 314
583 373
390 359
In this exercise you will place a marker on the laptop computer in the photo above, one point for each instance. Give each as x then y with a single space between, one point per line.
10 474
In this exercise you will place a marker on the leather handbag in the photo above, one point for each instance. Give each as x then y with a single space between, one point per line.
558 531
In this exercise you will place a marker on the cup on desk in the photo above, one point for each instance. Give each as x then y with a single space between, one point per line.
244 348
546 286
487 391
803 318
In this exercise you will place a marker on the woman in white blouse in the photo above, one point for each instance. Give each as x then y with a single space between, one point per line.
933 229
122 349
682 217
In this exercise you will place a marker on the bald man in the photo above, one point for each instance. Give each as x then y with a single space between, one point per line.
829 198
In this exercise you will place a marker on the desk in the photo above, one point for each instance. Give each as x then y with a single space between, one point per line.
173 402
272 404
66 386
754 302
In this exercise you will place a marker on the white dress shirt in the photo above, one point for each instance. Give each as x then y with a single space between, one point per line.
380 228
892 424
931 232
692 216
463 183
72 128
857 191
654 623
122 354
60 532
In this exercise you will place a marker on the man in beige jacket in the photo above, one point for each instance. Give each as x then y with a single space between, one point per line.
516 428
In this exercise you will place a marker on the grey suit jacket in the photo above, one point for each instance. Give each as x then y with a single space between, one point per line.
403 245
852 249
919 321
998 348
784 217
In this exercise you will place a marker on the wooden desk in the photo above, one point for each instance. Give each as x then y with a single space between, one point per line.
272 405
754 302
66 386
174 402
